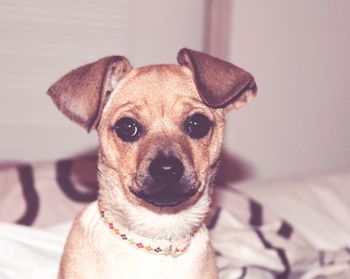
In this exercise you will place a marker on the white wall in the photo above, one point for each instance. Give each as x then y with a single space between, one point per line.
42 40
299 52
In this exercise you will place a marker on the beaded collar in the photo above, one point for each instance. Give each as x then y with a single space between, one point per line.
160 247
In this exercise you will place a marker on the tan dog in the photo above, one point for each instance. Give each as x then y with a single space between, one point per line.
160 132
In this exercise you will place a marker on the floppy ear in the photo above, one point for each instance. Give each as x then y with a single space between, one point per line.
219 83
82 93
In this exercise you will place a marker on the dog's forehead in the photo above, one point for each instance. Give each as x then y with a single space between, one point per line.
157 85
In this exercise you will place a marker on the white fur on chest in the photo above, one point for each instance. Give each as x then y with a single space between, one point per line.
117 259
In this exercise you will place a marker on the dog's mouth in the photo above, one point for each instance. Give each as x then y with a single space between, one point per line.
165 195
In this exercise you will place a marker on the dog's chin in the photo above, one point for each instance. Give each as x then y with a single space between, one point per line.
165 197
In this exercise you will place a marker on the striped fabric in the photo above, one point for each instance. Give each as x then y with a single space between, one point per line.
249 239
44 194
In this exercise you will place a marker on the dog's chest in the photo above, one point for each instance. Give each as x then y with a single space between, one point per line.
117 259
131 264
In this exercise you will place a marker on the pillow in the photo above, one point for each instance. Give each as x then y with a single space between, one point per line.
47 193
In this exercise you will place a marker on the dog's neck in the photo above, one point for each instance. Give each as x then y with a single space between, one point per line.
156 225
148 223
168 247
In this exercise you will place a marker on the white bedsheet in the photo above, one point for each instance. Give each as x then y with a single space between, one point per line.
318 207
30 253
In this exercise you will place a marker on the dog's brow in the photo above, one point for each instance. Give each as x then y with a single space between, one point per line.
127 106
193 103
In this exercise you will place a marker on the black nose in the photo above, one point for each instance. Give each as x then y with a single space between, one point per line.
166 169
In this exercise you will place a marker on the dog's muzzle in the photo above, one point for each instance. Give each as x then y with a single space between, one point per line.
166 184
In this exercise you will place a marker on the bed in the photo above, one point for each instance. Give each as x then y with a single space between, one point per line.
284 228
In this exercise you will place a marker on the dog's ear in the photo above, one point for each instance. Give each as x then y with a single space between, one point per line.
219 83
82 93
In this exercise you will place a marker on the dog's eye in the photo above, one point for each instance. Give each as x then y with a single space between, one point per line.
197 126
127 129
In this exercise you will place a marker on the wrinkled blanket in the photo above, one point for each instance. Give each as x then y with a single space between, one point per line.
39 201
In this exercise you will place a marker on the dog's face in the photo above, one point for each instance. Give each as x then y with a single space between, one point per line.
171 139
160 127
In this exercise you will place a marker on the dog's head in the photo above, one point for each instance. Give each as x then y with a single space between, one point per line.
160 127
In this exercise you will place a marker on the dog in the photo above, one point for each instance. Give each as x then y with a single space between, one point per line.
160 131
